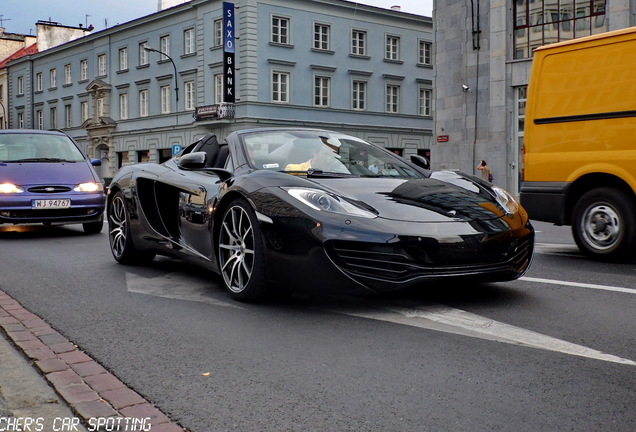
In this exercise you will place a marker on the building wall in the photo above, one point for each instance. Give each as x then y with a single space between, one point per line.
117 140
483 122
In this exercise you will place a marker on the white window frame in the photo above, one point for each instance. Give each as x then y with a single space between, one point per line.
322 91
392 48
322 36
68 74
20 120
39 115
20 85
164 47
53 117
280 87
143 103
392 98
84 70
68 116
53 78
144 58
188 41
218 33
425 101
280 31
358 42
123 106
39 82
189 90
359 90
218 88
84 109
425 53
123 58
165 92
101 65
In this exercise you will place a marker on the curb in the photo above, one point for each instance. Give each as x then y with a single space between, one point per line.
88 388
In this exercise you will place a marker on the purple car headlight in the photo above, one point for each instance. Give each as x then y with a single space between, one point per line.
9 188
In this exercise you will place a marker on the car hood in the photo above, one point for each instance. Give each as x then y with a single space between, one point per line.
444 197
32 173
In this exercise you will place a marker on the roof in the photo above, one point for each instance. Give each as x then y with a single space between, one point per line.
31 49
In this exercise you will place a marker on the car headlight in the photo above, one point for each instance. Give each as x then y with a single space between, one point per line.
89 187
10 188
506 201
323 201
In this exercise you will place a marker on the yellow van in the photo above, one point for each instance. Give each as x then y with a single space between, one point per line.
580 141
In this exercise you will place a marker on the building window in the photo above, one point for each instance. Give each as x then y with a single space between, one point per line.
39 82
143 103
392 98
68 74
218 33
189 95
83 70
541 22
143 54
100 107
424 102
280 30
39 116
321 91
123 106
53 78
20 120
123 59
101 65
359 95
188 41
359 42
165 99
392 51
280 87
20 85
68 116
53 117
218 88
84 108
321 36
425 54
164 46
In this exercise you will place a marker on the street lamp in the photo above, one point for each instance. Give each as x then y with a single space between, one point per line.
176 83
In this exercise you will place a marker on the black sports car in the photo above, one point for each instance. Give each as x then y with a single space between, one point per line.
309 208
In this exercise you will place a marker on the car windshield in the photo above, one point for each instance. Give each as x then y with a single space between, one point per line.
25 147
322 153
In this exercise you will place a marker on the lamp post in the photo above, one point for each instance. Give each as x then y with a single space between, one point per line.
176 83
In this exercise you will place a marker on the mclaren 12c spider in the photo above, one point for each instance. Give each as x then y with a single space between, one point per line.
299 208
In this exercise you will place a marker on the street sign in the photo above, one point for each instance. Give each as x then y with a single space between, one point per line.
176 149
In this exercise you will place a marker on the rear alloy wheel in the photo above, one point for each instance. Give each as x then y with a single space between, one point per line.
241 259
603 225
119 236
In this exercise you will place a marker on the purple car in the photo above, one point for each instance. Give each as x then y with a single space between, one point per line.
45 178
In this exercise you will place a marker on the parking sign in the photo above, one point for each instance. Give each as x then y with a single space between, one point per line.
176 149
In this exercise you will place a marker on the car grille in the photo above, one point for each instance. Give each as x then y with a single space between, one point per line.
408 261
48 214
49 189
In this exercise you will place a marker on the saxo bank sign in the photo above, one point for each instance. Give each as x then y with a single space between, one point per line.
228 52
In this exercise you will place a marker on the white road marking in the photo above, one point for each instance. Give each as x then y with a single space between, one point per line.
180 286
579 285
450 320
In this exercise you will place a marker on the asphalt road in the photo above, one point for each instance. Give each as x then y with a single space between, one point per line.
554 351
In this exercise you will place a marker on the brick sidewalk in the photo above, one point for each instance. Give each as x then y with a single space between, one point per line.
89 389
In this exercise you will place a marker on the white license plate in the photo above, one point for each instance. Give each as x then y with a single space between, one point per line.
52 204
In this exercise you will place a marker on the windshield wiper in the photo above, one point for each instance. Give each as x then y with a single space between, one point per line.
41 159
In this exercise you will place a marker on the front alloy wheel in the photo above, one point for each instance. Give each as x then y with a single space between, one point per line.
241 253
119 236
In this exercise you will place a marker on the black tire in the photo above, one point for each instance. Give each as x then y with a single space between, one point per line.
119 235
93 227
241 253
604 225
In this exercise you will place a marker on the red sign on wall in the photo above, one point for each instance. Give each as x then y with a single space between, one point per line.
442 138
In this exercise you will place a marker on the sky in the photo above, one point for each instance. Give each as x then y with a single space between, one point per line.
20 16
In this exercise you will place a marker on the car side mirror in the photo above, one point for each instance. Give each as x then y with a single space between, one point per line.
96 162
420 161
192 161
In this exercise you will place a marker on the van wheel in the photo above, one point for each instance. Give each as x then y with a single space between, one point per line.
604 224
